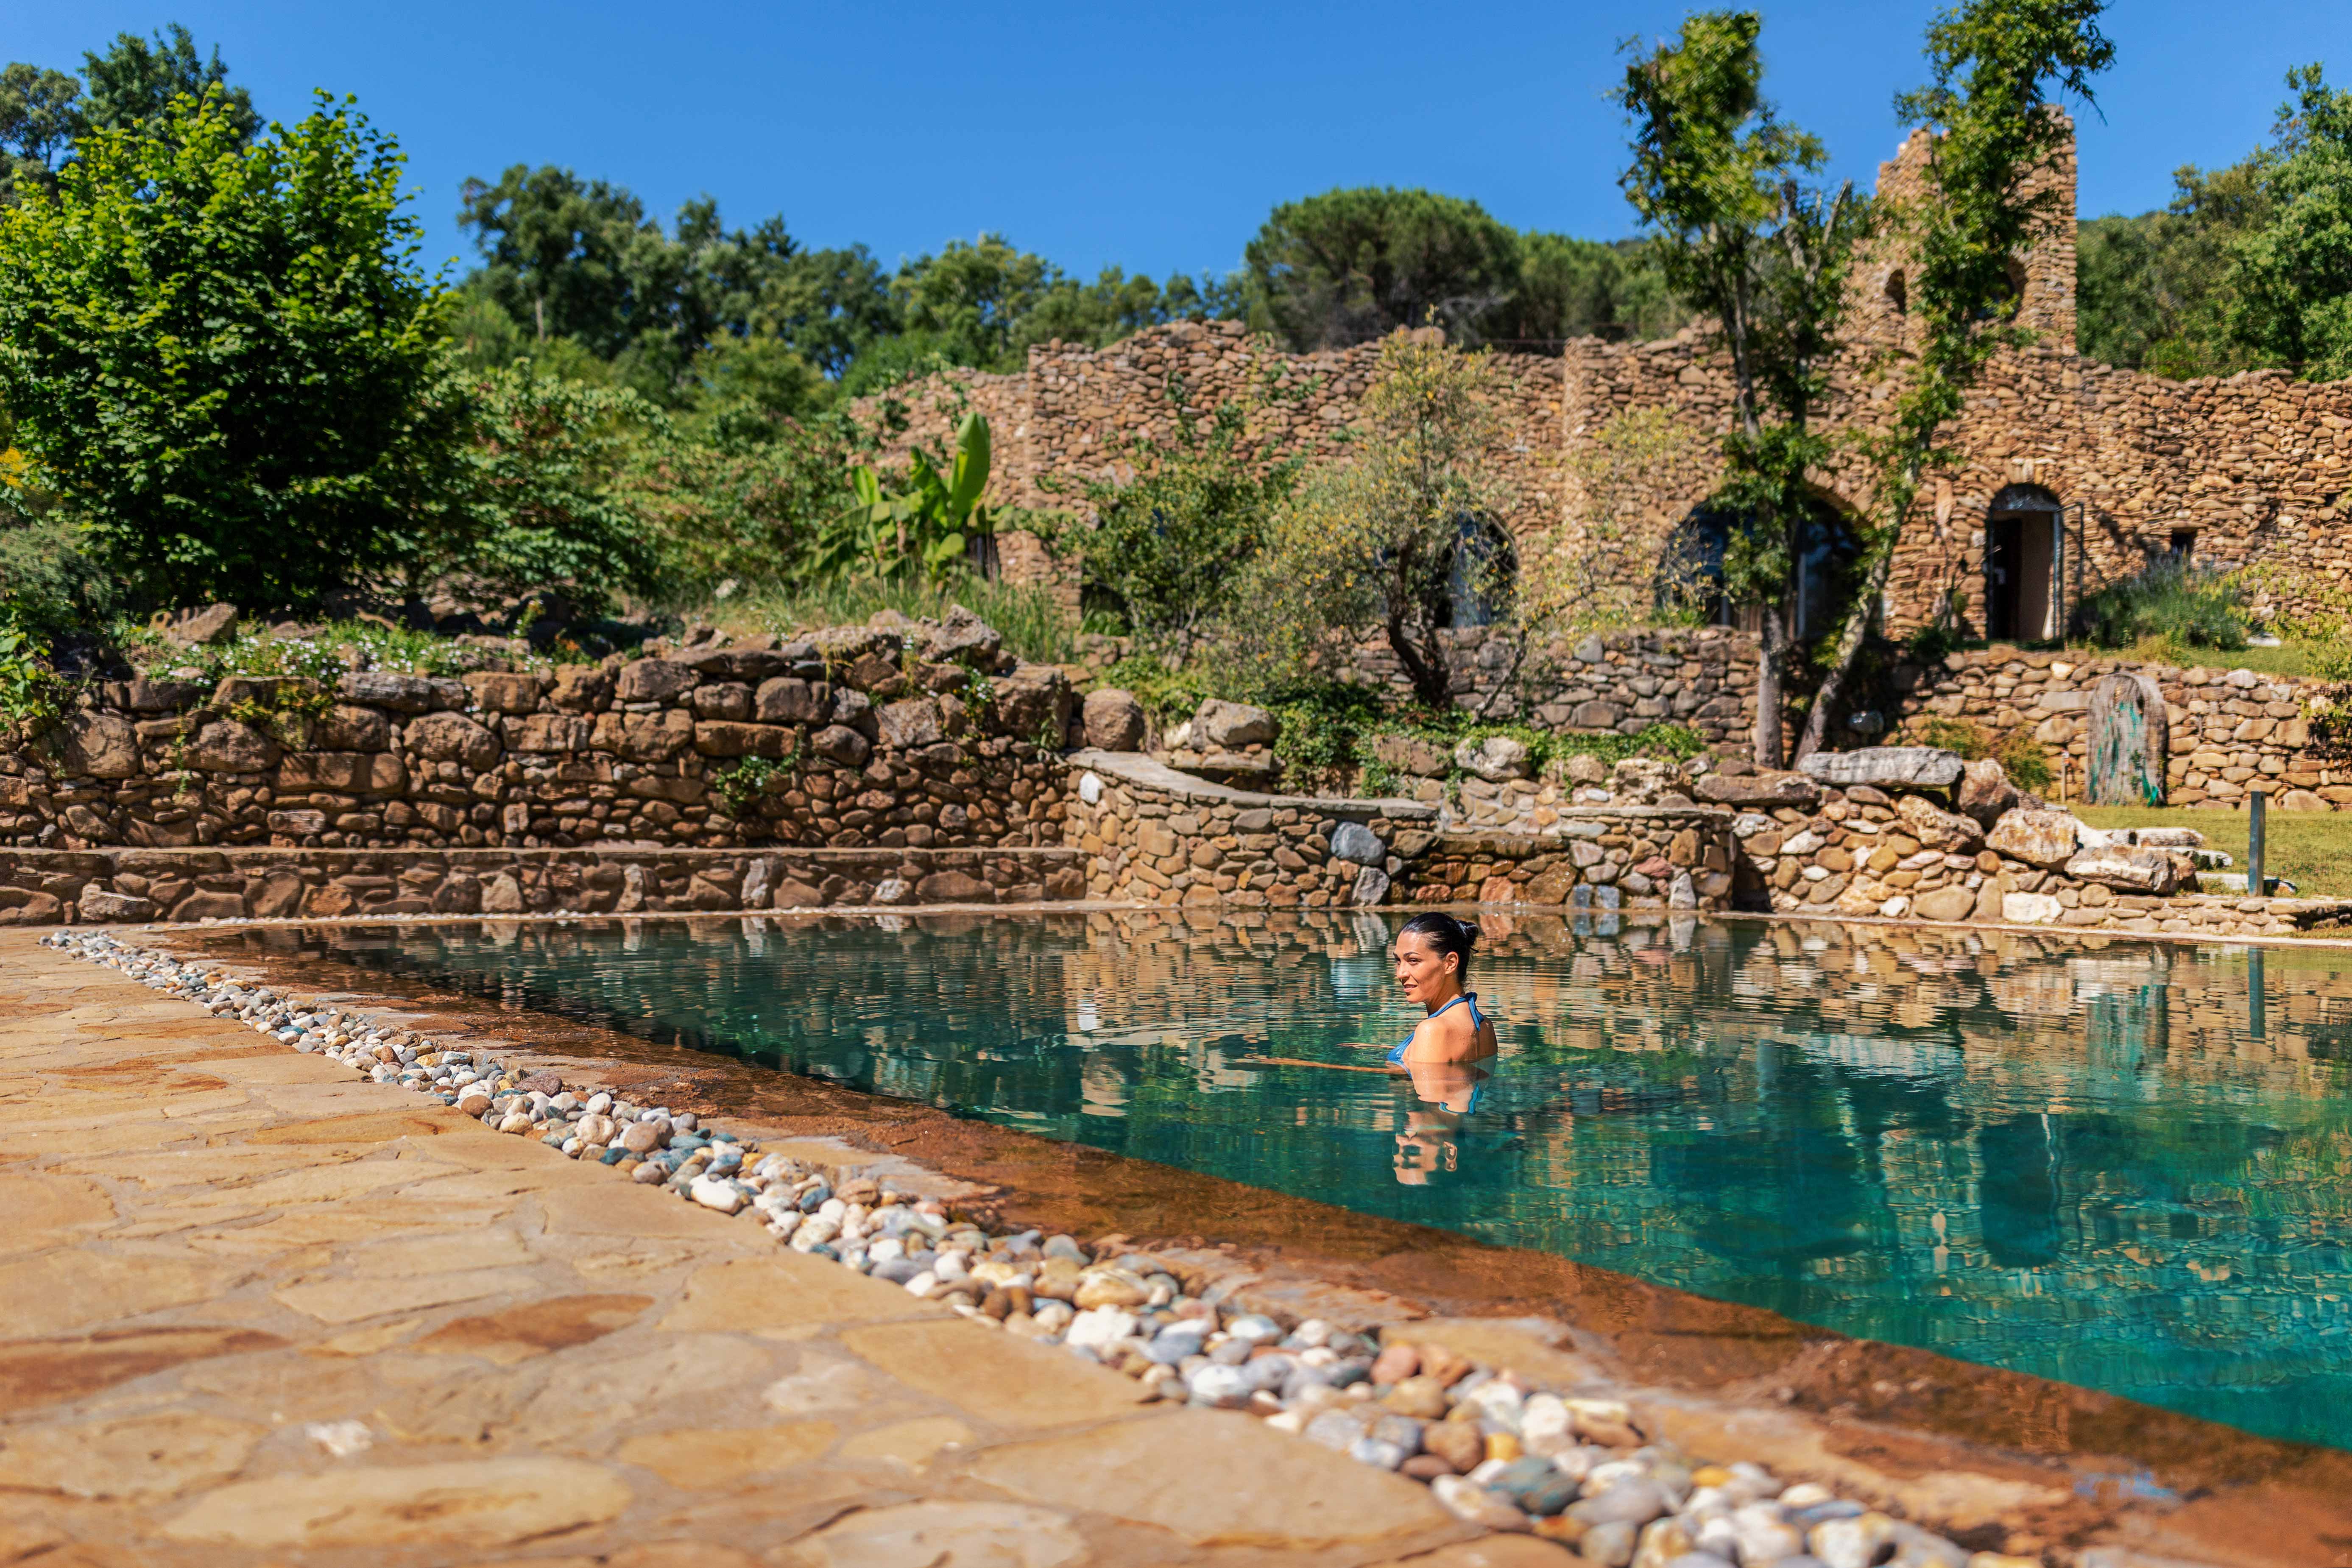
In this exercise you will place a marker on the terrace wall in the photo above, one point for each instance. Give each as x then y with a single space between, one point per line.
2231 732
865 741
41 885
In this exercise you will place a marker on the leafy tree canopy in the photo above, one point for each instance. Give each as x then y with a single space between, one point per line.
220 352
132 85
1350 266
2292 270
45 112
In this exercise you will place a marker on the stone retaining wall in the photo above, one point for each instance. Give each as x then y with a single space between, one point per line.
1632 858
858 737
2232 730
1809 849
1151 833
39 887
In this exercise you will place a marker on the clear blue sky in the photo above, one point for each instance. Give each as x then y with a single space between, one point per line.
1152 137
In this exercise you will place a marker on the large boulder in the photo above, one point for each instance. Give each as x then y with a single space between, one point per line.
1354 842
964 638
1224 725
1034 703
198 628
1937 829
1757 789
1985 791
839 744
226 746
2128 866
582 688
910 724
383 689
786 700
2040 838
98 746
1496 759
656 680
497 692
1951 904
1113 721
454 738
1897 767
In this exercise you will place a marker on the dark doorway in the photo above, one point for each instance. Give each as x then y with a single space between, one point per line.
2021 545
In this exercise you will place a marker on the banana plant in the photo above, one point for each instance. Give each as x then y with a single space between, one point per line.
930 524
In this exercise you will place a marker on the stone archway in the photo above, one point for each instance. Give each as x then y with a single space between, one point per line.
1690 568
1483 575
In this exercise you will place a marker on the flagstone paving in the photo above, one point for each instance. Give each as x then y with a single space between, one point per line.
257 1312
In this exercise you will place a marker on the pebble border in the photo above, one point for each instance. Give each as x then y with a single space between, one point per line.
1495 1450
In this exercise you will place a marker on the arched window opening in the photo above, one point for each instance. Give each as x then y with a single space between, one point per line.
2021 561
1691 573
1483 575
1898 293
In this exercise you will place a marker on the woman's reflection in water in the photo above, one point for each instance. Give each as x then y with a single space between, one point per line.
1431 1142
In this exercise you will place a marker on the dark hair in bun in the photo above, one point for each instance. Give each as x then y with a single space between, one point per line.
1444 934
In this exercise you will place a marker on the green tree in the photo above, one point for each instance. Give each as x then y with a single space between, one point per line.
1172 543
1376 546
1720 184
1350 266
2291 275
134 84
1586 288
1993 64
39 120
221 354
970 298
2152 292
568 257
540 496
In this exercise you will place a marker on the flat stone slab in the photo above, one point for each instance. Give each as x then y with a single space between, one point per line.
1138 769
1914 767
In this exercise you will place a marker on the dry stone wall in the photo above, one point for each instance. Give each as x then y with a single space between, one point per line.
1598 858
1153 834
1975 855
2231 732
858 737
2251 469
40 887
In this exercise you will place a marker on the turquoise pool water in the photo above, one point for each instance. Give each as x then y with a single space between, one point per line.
2124 1167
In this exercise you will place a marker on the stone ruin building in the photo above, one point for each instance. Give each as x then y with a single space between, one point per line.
2075 473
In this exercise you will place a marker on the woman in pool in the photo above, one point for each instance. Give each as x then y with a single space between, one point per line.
1433 965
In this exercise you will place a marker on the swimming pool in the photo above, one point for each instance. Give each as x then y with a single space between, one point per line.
2123 1166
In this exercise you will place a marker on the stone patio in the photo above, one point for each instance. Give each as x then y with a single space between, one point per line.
260 1312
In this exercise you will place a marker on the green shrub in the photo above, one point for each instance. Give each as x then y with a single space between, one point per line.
32 695
2177 601
1034 623
320 655
50 579
2025 760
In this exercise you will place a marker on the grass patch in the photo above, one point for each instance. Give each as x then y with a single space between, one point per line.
1034 623
2313 849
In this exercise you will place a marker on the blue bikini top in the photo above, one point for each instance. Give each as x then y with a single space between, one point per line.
1396 1057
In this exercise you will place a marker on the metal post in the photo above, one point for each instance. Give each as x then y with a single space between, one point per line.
2256 833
